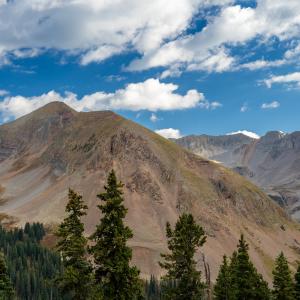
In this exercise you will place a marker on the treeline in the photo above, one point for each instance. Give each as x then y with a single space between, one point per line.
238 279
99 267
31 267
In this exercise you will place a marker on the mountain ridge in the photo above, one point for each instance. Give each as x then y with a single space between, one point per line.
271 162
54 148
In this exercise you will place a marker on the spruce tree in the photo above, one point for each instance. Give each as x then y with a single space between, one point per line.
283 287
246 282
6 289
117 279
183 281
152 289
223 289
77 276
297 283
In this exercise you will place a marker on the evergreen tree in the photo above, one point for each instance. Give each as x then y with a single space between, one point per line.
152 289
297 283
180 264
117 279
223 288
283 287
6 289
77 277
246 282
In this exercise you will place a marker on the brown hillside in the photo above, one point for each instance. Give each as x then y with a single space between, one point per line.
54 148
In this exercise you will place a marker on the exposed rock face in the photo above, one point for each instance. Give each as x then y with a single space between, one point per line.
54 148
220 148
272 162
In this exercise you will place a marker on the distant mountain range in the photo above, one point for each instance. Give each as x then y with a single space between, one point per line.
272 162
46 152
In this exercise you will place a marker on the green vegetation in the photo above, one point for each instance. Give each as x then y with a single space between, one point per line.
239 279
31 267
6 288
223 287
297 283
183 242
103 270
76 280
115 277
283 286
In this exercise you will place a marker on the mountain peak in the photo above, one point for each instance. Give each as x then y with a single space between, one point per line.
245 133
55 107
273 136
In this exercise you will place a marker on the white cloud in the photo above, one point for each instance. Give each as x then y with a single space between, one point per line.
245 132
173 71
217 61
3 93
154 118
271 105
244 107
261 64
98 29
100 54
214 105
293 78
293 53
26 53
151 95
169 133
234 26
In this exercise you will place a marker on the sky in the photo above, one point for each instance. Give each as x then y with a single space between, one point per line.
177 67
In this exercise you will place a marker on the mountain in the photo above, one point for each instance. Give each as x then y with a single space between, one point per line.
224 148
272 162
46 152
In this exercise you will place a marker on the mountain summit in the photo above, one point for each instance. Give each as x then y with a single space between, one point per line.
44 153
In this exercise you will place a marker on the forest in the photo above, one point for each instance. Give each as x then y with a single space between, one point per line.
99 266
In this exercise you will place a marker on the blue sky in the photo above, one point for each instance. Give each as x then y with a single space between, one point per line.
181 67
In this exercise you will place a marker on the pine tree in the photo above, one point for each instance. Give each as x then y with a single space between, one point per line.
117 279
246 282
223 289
183 242
77 277
297 283
283 287
6 289
152 289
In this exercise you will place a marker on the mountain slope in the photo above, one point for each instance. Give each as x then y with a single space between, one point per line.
54 148
272 162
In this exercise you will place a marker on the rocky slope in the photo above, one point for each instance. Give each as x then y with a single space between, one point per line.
54 148
272 162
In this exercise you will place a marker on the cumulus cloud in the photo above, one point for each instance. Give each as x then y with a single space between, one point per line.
151 95
292 78
270 105
169 133
209 49
245 132
98 29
